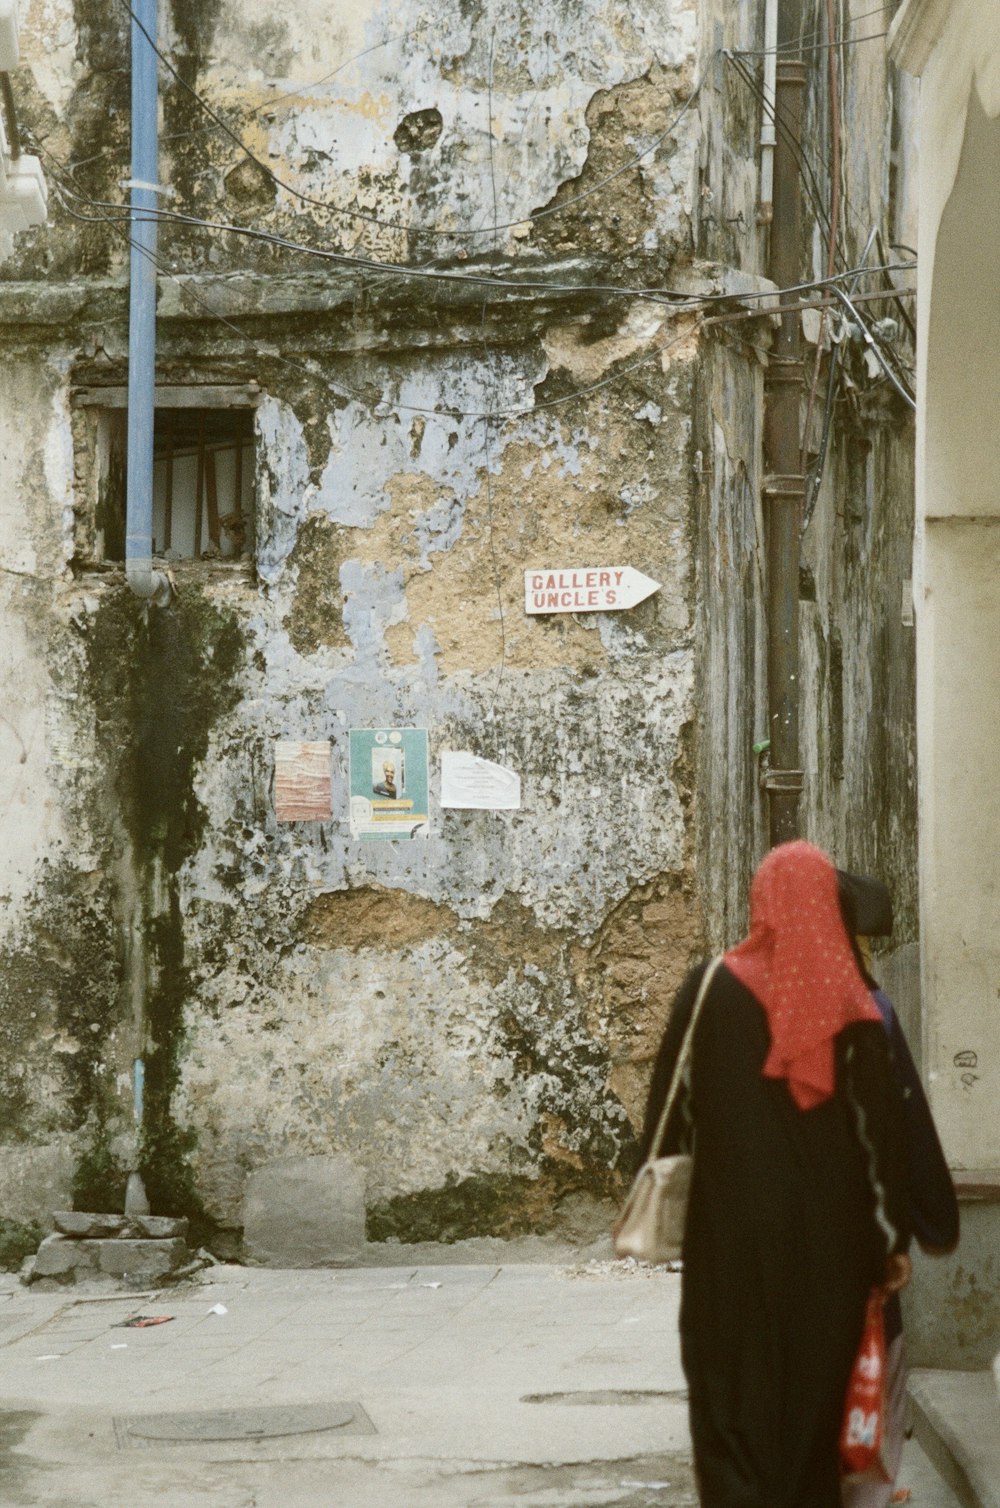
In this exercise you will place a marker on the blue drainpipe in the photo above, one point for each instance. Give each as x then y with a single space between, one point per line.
143 580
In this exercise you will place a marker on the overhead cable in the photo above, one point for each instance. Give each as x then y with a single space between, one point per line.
876 346
814 480
731 317
826 218
671 298
735 314
794 49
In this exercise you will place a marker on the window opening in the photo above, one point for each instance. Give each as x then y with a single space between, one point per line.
202 483
204 474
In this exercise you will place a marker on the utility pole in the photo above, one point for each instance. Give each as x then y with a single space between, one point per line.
784 483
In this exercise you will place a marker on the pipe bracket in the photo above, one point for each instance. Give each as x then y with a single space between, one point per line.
793 72
784 369
778 485
782 782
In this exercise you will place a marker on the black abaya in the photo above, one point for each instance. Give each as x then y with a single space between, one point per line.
791 1217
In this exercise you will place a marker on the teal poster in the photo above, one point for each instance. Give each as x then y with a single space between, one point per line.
388 782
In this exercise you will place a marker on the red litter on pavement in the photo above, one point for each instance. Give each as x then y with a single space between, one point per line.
143 1321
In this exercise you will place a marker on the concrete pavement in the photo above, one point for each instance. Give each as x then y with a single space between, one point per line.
461 1386
479 1386
956 1418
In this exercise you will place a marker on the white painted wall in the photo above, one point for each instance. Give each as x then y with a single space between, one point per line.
957 565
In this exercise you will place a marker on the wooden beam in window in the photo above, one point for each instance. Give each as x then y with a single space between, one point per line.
168 500
211 500
210 396
199 497
238 483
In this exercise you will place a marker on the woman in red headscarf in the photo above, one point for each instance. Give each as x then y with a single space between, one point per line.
798 1202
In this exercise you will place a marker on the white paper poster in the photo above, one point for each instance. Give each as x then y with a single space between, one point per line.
478 784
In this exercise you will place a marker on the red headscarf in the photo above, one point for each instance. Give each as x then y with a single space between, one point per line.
797 961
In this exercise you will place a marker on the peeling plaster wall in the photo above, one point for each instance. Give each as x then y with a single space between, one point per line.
450 1047
469 1018
57 944
509 88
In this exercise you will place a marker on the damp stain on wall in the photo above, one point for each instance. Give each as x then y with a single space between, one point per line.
158 679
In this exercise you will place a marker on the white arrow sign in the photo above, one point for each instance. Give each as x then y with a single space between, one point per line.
586 589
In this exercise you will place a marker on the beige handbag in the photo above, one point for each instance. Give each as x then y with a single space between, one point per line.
650 1227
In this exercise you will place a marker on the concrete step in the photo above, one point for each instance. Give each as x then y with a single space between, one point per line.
956 1418
926 1485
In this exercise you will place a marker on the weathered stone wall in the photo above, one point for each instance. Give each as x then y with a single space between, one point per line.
467 1019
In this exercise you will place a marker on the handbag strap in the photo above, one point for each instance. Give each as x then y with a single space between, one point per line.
668 1105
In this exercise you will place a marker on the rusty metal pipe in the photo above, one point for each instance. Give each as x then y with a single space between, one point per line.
784 483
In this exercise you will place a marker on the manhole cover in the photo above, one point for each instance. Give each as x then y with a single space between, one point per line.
243 1424
605 1396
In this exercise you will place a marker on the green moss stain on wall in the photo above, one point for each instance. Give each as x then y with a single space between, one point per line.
160 678
506 1205
101 1178
18 1241
60 974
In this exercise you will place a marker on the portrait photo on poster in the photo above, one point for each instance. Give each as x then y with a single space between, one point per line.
388 784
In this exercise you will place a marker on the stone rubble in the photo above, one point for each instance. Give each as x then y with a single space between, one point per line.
135 1250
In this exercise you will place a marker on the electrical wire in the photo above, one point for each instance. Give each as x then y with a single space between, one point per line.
796 48
876 346
904 312
814 482
825 217
831 256
411 230
808 171
807 37
663 296
812 187
351 395
834 76
800 153
790 139
698 322
220 124
829 219
817 32
374 266
121 212
736 313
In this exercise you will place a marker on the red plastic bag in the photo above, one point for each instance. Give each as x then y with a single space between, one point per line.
864 1406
